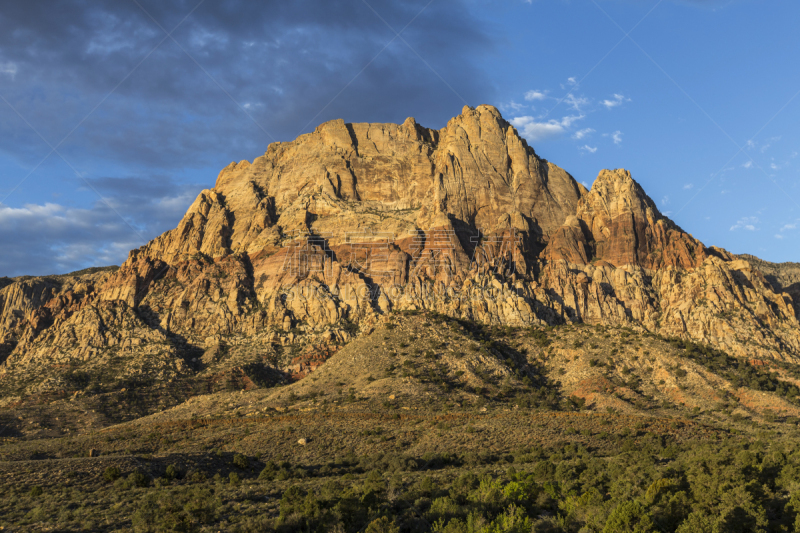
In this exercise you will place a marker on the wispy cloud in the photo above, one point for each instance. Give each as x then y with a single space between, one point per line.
616 100
580 134
50 237
616 136
576 102
568 120
789 227
748 164
770 142
747 223
778 236
535 95
688 186
9 69
513 106
589 149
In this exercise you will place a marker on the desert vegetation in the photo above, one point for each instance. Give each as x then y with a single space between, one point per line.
429 424
729 485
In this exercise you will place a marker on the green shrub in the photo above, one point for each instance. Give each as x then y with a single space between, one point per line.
269 471
629 517
173 472
241 461
382 525
111 473
137 478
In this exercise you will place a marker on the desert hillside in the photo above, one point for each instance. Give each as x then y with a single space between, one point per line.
386 327
290 256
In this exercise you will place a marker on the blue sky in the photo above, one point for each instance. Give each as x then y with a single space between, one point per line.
699 99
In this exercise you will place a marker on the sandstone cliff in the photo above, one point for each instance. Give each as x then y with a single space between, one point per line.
324 236
784 277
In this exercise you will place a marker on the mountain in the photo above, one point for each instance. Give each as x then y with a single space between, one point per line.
322 237
381 327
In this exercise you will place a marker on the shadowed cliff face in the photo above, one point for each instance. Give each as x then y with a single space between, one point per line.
324 236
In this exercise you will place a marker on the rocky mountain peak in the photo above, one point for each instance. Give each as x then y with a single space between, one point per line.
326 236
616 222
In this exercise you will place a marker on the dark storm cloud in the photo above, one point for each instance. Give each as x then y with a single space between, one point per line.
134 187
282 61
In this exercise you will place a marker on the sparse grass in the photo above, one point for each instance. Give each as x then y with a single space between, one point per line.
463 400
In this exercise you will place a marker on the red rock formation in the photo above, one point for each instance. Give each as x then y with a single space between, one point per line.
324 236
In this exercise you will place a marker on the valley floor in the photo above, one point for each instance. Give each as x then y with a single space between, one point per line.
432 424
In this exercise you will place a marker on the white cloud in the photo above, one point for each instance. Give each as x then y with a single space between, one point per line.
617 100
748 223
568 120
616 136
769 143
589 149
68 238
575 102
513 106
588 187
9 69
748 164
688 186
52 238
536 131
773 166
778 236
535 95
572 81
788 227
580 134
665 200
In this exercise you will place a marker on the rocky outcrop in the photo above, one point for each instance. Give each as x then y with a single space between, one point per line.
783 277
726 304
324 236
28 304
618 223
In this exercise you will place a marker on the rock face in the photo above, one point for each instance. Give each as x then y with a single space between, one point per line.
29 305
784 277
322 237
617 223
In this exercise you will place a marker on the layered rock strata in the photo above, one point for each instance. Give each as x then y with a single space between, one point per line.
324 236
